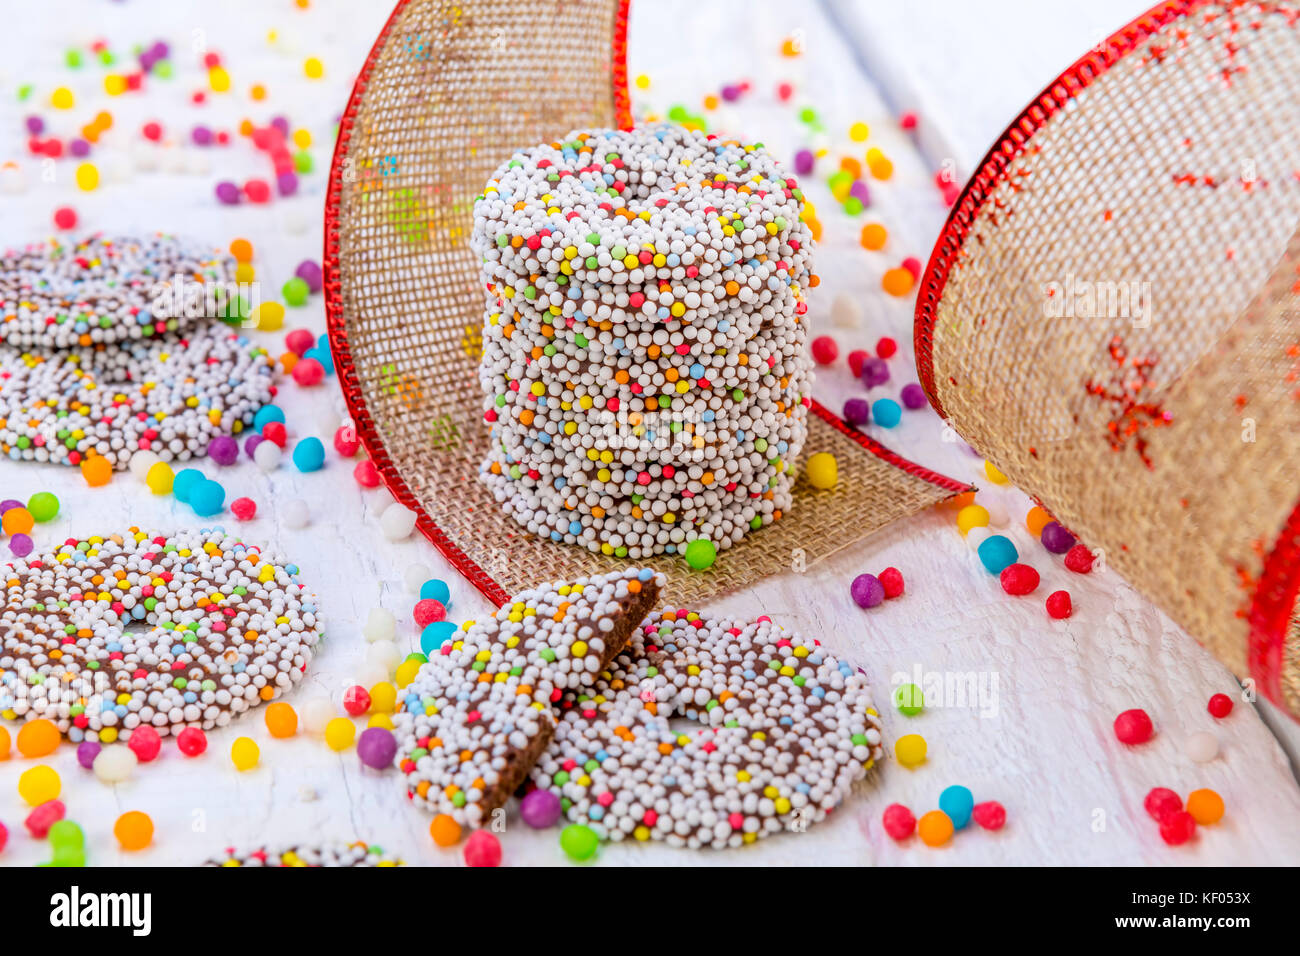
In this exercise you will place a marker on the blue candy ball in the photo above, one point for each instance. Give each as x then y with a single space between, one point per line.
435 589
997 552
207 498
435 635
323 356
886 412
309 454
958 802
267 413
185 482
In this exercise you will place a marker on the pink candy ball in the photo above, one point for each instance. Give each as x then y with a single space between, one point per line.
825 350
299 341
991 815
898 821
366 474
308 372
145 743
428 611
482 849
346 441
244 508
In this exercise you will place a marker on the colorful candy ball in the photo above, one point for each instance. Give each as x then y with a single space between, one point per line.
145 743
990 815
377 747
482 849
540 809
958 802
1133 727
898 821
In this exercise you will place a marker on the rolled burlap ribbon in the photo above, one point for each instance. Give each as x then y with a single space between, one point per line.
447 94
1111 316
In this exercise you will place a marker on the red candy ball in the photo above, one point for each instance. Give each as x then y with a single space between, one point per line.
275 432
356 700
1018 579
152 131
244 508
482 849
65 217
308 372
1059 606
1178 828
192 741
886 347
913 265
145 743
366 474
40 820
346 441
892 581
825 350
898 821
1220 705
257 190
428 611
856 358
4 835
991 815
1161 802
299 341
1079 559
1133 727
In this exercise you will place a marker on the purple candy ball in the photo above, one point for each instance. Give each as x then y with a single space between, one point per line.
87 751
913 396
35 125
201 135
731 93
1056 539
224 450
377 747
21 545
9 503
540 809
281 124
309 272
79 148
867 590
803 162
857 411
860 192
160 49
251 443
228 192
875 371
286 183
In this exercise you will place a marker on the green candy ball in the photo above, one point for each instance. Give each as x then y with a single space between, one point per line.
43 506
909 699
578 842
296 291
701 553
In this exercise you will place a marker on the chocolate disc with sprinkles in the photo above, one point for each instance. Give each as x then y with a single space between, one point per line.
108 289
479 713
783 732
170 394
335 854
107 633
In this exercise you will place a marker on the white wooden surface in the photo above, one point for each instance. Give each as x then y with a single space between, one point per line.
1041 744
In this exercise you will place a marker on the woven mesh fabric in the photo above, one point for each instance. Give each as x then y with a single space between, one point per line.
1112 315
450 91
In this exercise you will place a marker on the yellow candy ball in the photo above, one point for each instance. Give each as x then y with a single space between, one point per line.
406 672
62 99
339 733
87 177
822 470
972 516
380 720
245 272
245 753
995 476
159 478
313 68
218 79
269 316
642 82
115 84
302 138
859 132
383 698
910 750
39 784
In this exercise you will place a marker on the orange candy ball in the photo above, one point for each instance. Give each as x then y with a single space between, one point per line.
873 236
281 720
1205 806
36 738
445 830
935 828
96 470
18 521
897 282
4 743
1037 520
242 250
134 830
